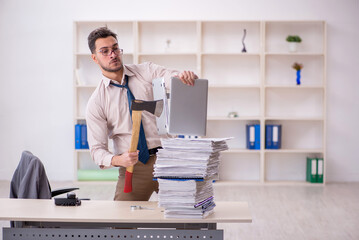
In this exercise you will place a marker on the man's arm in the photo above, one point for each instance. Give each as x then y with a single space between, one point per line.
187 77
97 133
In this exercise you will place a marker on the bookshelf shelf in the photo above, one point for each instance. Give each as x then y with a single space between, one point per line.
233 86
300 87
293 151
290 118
213 118
259 85
83 54
238 150
167 54
313 54
82 150
229 54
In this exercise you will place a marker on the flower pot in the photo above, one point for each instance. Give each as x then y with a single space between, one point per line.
298 77
293 46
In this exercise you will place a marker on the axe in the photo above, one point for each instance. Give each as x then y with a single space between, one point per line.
137 106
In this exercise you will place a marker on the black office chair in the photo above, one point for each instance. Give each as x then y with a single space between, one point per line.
30 181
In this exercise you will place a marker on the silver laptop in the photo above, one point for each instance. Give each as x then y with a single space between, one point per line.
185 113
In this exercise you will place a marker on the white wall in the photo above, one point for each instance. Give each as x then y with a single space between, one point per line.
36 70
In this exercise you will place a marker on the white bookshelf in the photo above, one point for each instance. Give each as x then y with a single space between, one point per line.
259 85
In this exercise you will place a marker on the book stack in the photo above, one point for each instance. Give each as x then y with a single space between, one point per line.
185 170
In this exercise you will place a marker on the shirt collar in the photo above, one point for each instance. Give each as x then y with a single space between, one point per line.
107 80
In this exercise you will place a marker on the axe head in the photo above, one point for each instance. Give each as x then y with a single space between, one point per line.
154 107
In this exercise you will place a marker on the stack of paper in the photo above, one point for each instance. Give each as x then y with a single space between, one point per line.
185 170
195 144
189 158
186 198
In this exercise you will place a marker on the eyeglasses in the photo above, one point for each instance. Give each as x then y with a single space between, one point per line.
108 51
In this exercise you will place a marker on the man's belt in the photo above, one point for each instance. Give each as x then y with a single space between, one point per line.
153 151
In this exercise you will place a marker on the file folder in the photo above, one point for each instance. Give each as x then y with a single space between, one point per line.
253 136
84 143
320 163
78 136
312 170
273 136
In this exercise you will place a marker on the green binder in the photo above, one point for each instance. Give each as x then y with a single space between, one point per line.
320 170
311 170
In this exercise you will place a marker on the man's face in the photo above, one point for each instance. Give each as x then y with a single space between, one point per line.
108 55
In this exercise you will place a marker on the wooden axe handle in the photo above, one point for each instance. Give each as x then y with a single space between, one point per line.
136 125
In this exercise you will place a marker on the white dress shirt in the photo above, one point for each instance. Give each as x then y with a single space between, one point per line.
108 115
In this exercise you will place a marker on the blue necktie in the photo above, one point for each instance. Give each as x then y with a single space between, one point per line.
142 144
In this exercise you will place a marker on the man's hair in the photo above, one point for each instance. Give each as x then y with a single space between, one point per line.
102 32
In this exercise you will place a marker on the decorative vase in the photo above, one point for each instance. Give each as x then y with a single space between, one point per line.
298 77
293 46
244 36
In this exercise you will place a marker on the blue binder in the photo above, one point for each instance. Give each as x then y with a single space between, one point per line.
273 136
84 143
78 136
253 136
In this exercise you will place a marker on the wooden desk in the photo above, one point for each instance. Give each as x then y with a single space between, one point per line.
113 220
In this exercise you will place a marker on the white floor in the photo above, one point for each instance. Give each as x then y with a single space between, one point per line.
279 212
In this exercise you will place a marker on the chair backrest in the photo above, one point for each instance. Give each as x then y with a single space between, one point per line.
30 179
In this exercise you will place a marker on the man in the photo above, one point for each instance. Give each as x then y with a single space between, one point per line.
108 114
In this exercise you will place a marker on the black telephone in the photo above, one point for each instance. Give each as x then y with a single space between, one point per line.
71 200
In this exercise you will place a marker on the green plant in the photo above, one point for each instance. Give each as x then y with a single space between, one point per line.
293 38
297 66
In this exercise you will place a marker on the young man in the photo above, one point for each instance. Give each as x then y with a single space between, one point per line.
108 114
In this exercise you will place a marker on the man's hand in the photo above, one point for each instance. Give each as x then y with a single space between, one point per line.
187 77
125 160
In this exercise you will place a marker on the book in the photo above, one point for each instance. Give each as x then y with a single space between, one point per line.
253 136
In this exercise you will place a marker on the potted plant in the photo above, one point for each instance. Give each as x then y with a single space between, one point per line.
293 42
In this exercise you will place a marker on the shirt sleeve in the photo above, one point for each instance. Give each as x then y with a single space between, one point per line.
160 71
97 134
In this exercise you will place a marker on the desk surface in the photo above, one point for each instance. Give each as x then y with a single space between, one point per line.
112 212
